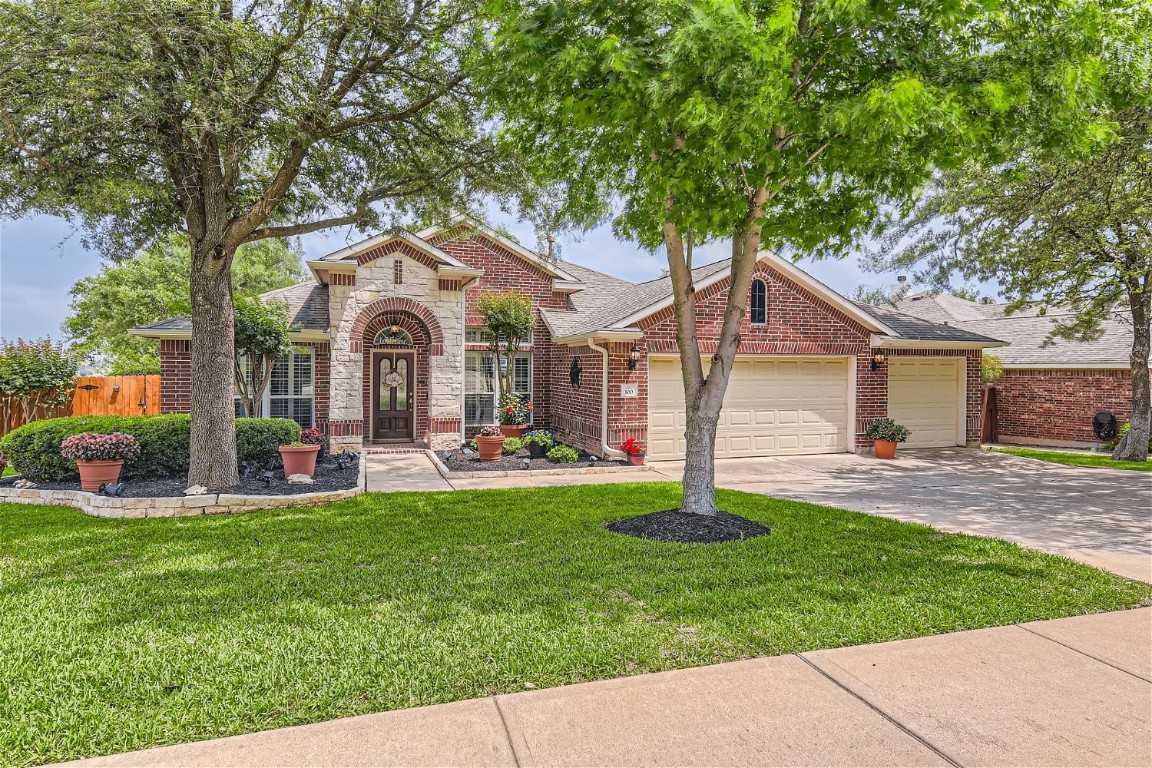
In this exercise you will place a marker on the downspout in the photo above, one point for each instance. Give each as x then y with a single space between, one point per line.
609 452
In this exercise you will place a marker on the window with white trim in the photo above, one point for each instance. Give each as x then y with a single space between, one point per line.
291 392
482 385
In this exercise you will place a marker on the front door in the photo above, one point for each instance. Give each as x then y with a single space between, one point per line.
392 407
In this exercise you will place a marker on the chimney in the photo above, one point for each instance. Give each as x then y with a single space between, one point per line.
900 288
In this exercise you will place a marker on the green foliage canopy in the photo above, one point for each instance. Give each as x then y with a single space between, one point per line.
34 375
153 286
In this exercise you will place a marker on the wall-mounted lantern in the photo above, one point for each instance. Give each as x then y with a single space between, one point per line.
633 357
878 359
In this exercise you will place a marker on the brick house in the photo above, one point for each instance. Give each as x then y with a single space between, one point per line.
389 350
1049 391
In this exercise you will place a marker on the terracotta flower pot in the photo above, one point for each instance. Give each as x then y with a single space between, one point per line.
491 448
92 473
636 459
885 449
513 430
299 461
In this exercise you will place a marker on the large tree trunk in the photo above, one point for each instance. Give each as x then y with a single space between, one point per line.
1134 445
704 395
213 451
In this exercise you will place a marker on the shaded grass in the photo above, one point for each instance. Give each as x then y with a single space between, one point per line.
1073 459
119 635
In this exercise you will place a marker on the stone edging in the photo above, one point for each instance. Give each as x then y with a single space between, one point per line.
176 506
448 474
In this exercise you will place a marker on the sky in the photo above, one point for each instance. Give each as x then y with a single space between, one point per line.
42 257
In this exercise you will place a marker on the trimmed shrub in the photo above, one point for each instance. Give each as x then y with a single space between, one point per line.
34 449
260 439
511 445
562 454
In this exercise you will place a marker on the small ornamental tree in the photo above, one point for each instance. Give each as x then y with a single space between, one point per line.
261 336
507 324
34 376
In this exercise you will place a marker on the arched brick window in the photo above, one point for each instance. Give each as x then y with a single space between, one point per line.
758 306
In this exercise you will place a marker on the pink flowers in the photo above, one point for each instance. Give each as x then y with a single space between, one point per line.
88 446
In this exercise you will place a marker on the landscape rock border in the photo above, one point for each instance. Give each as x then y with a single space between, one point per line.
448 474
176 506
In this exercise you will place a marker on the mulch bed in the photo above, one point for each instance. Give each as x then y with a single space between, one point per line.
688 528
328 477
460 462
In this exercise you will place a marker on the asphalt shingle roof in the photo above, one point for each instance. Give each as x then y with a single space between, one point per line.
307 308
919 329
1027 331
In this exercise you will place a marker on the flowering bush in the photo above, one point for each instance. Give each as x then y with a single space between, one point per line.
631 447
312 436
515 409
541 437
490 430
88 446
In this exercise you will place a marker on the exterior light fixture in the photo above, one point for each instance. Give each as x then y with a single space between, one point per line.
633 357
878 359
395 329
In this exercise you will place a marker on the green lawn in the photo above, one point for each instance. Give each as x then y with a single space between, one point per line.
119 635
1073 459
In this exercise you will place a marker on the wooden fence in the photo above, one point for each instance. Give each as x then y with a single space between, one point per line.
100 396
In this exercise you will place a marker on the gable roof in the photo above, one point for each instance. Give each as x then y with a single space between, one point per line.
611 308
449 264
563 279
1028 332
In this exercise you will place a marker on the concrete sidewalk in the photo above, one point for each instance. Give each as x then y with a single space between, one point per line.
1069 692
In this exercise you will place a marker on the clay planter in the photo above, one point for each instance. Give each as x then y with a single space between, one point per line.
885 449
513 430
636 459
92 473
491 448
299 461
538 451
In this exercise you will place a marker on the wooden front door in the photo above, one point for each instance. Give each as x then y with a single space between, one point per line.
393 412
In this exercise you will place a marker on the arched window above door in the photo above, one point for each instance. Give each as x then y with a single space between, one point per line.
394 336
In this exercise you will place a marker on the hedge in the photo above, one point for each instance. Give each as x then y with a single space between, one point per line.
34 449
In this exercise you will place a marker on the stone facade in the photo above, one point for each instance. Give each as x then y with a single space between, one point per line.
393 281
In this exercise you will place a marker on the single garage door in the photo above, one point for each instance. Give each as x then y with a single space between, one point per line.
926 395
773 406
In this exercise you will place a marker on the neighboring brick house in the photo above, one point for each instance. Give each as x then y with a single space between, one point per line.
1048 393
390 351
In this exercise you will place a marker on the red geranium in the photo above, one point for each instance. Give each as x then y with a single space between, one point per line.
631 447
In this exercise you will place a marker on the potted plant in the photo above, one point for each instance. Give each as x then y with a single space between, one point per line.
884 435
539 442
299 458
99 458
514 414
634 450
314 436
490 443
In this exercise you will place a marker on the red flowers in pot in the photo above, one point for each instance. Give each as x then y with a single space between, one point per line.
99 458
634 450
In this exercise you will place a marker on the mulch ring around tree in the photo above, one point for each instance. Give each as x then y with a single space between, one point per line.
328 477
687 528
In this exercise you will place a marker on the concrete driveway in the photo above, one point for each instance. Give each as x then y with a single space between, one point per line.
1099 516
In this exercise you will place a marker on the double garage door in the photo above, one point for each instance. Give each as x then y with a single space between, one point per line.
789 406
773 406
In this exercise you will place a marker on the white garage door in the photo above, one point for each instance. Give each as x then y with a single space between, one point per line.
926 395
773 406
